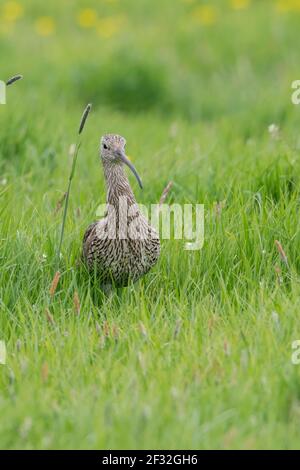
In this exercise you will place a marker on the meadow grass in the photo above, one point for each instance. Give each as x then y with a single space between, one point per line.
198 353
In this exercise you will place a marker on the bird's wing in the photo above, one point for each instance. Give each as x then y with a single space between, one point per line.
85 242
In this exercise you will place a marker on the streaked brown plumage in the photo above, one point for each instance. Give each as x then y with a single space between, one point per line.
122 246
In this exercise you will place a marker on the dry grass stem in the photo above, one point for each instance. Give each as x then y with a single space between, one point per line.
76 301
281 252
60 203
165 193
49 317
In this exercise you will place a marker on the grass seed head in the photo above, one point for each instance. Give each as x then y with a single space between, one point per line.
281 252
45 372
84 117
54 284
76 302
106 329
14 79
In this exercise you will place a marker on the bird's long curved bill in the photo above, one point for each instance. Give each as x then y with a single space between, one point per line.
132 167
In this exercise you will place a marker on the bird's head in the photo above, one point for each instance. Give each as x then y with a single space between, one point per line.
113 151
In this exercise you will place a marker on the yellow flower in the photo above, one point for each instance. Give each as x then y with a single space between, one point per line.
283 6
12 11
239 4
45 26
109 26
205 15
87 18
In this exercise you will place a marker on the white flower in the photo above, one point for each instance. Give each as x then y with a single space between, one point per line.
273 130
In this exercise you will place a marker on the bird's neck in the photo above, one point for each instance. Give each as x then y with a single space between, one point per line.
117 185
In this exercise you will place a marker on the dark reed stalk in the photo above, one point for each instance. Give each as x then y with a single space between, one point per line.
78 144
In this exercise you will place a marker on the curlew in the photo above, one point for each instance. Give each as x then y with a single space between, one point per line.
122 246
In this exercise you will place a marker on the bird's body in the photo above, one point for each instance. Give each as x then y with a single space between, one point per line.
122 246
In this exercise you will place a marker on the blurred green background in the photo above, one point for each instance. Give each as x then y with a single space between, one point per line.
195 59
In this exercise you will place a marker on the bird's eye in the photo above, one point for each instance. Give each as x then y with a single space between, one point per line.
105 147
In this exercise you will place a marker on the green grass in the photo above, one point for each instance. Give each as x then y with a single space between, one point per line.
198 353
